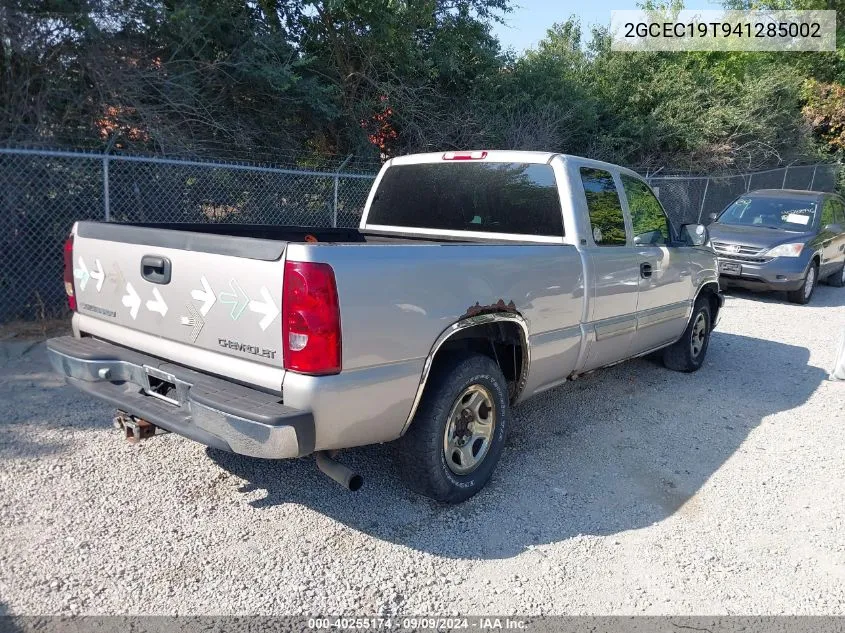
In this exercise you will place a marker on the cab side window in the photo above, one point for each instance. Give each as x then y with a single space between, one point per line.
828 211
647 216
839 212
606 217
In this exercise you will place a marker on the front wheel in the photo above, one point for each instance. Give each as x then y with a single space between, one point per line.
687 353
803 295
458 432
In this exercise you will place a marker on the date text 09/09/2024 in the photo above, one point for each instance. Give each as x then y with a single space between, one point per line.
418 623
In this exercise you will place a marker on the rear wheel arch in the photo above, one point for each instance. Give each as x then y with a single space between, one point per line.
502 336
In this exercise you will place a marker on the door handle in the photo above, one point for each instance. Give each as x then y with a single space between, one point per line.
645 270
155 269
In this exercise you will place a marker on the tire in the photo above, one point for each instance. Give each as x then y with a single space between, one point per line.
837 279
421 453
688 352
803 295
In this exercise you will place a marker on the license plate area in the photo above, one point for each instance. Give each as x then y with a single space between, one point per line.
730 268
161 385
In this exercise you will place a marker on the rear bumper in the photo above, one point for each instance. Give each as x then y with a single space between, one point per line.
780 273
209 410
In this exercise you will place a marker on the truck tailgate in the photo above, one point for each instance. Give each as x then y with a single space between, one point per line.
214 293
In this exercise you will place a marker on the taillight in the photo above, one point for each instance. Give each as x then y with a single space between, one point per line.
310 319
68 274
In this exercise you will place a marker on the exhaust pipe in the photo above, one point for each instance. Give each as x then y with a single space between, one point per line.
337 471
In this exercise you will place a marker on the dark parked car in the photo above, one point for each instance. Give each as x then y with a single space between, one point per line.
781 239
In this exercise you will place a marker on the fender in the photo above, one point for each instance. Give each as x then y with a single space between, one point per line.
714 286
464 324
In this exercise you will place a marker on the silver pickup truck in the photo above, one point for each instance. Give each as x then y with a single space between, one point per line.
475 280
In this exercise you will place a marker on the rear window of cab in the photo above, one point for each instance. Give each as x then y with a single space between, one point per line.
520 198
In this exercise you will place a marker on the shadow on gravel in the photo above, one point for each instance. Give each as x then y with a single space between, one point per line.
8 622
615 451
823 297
33 396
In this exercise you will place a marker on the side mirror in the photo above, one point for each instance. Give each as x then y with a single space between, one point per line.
832 228
713 216
694 234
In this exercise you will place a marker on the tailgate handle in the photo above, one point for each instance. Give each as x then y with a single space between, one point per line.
155 269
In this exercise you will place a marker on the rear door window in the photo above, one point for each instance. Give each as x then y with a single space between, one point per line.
606 217
520 198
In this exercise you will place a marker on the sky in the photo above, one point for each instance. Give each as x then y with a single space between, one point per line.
526 25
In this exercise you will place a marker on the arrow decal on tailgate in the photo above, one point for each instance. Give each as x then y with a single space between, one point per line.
158 305
81 273
98 275
206 295
132 301
194 320
267 308
238 299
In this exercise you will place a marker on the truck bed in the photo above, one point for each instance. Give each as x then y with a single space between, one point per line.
295 233
218 308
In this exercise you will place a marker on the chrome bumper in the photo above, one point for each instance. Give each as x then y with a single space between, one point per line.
209 410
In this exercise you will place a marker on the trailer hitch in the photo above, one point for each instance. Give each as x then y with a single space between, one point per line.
134 428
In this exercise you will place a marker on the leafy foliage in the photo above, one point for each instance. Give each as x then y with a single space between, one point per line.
377 78
646 214
825 110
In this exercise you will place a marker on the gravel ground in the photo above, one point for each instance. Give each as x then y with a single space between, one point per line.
634 490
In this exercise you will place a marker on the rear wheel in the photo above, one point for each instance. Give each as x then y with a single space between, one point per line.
805 292
458 432
687 353
837 279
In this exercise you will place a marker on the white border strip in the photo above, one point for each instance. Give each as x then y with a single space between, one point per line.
510 237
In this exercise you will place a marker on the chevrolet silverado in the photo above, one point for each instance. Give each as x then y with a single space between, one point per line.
474 281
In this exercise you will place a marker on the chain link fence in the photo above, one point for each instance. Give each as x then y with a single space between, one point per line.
42 193
694 198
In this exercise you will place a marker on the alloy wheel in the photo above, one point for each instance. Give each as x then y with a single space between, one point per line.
810 281
699 334
469 431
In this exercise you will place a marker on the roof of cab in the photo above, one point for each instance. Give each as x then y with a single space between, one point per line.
491 155
503 156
